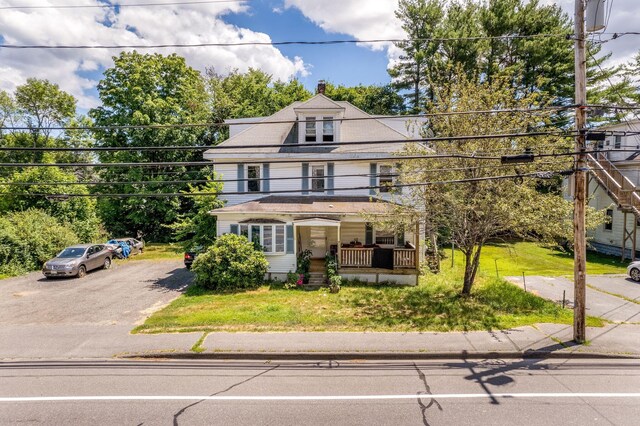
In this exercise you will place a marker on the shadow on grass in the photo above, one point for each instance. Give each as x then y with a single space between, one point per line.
592 257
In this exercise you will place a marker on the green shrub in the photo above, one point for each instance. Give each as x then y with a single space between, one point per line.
30 238
231 263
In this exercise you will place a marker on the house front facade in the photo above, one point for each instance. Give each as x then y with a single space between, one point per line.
306 178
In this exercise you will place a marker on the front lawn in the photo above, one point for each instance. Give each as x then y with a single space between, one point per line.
434 305
515 258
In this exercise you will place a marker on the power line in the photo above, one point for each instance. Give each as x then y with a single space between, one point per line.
548 174
198 181
298 145
276 43
114 5
265 122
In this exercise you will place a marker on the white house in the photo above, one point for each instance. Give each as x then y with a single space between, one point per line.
612 186
301 179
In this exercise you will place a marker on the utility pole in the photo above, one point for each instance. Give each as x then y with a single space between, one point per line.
580 178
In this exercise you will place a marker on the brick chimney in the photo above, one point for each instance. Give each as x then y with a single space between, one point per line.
321 87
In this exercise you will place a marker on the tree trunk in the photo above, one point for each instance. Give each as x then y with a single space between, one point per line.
471 263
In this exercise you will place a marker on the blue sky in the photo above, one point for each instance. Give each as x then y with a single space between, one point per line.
78 71
346 64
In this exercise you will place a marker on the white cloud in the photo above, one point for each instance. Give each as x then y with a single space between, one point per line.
362 19
365 19
180 24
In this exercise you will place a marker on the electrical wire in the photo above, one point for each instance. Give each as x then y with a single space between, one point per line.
537 175
118 5
198 181
277 43
265 122
300 145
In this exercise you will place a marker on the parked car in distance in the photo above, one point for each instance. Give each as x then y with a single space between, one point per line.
190 256
633 270
78 260
136 245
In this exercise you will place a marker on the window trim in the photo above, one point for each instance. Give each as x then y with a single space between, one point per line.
310 120
390 187
325 135
248 227
318 119
313 178
609 226
257 180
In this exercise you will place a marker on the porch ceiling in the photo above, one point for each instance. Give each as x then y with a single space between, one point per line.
317 221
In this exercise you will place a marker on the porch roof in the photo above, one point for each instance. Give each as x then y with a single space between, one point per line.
313 204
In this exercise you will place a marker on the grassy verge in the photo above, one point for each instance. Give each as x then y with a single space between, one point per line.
158 251
434 305
515 258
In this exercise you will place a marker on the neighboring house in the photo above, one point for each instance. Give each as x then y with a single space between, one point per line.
285 192
612 187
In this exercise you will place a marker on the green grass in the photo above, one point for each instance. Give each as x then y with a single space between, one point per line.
433 305
515 258
159 251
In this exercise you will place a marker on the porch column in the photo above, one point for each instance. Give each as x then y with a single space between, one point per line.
338 254
417 237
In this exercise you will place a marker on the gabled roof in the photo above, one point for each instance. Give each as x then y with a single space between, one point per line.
280 129
319 101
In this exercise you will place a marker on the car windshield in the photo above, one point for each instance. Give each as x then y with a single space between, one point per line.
72 252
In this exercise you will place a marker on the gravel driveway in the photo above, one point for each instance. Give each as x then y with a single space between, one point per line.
92 316
126 293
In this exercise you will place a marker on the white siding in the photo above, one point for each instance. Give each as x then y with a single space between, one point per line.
288 177
349 231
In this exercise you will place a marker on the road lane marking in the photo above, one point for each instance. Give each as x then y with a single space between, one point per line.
316 397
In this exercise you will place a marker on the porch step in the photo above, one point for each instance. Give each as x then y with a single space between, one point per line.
316 280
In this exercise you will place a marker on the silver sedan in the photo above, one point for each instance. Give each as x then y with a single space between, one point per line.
633 270
78 260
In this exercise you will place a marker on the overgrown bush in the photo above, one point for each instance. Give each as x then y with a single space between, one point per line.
335 280
30 238
304 264
231 263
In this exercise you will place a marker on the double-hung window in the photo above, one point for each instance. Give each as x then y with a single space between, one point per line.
253 178
317 178
310 129
608 225
327 129
270 237
617 142
385 176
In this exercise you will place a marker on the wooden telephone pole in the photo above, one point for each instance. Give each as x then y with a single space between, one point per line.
580 178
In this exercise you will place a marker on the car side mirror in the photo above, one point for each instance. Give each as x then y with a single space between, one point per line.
88 256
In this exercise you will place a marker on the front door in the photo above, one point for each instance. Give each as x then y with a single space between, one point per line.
317 241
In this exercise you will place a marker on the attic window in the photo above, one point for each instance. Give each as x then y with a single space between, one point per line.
310 129
327 129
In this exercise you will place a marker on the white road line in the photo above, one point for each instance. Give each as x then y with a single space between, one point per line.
314 397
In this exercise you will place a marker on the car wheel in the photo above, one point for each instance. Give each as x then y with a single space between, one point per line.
107 263
82 271
635 274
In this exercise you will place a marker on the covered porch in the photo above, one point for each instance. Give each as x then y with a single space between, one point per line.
358 245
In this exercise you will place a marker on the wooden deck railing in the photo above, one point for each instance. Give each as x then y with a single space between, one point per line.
404 258
356 257
363 258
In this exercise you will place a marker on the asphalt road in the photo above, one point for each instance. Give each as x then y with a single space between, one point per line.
88 317
447 392
613 297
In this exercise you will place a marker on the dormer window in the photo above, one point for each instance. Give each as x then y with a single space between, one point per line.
327 129
310 129
318 128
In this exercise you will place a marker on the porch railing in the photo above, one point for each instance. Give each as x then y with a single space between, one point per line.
363 258
356 257
404 258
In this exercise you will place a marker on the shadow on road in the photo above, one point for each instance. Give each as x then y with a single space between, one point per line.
177 280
